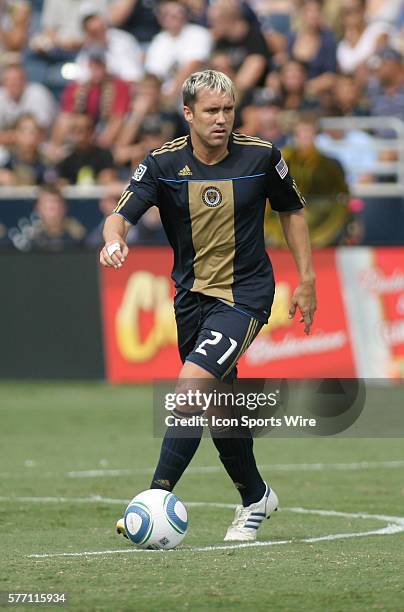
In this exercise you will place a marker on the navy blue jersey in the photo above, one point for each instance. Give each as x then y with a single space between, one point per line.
214 214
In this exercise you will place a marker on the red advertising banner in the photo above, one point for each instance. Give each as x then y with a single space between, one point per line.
138 316
140 331
282 349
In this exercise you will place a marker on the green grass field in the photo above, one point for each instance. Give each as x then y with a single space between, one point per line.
65 440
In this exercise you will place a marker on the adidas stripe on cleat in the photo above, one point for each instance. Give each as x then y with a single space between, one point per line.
247 520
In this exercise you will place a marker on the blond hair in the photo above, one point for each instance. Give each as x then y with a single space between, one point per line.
206 79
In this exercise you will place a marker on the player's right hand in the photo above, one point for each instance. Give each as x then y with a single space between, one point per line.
112 256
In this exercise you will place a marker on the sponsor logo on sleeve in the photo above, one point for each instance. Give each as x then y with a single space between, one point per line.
282 168
139 172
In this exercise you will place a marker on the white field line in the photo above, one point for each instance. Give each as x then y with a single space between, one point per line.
98 499
213 469
276 467
388 530
395 525
65 500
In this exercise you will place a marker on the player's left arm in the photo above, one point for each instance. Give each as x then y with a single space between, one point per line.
286 199
296 233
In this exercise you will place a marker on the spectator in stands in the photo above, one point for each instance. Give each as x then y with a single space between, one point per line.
386 91
322 181
152 136
19 97
386 98
88 163
288 85
25 165
146 117
242 41
14 24
54 230
353 148
178 50
147 231
122 51
150 230
61 25
315 174
263 118
275 19
314 45
138 17
360 40
103 97
346 98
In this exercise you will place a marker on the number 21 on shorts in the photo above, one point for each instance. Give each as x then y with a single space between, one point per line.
217 336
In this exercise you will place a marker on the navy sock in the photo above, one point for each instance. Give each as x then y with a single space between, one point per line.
236 453
179 446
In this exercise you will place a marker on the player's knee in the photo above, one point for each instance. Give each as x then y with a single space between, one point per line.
190 396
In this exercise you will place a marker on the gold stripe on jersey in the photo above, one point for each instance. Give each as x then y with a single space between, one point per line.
173 145
171 150
122 201
251 329
244 137
257 143
299 195
213 238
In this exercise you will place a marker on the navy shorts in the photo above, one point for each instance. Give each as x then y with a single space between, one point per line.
213 334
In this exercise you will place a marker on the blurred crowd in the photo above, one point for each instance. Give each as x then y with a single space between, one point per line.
87 89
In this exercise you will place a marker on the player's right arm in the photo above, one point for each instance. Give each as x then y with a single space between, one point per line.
115 232
134 201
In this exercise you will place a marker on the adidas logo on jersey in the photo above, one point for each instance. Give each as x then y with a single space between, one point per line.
186 171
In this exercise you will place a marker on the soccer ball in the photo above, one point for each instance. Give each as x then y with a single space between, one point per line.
156 519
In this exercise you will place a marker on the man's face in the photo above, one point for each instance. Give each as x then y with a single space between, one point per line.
293 77
82 130
95 29
388 71
149 89
312 14
346 91
98 71
304 134
14 82
172 17
51 209
212 117
28 134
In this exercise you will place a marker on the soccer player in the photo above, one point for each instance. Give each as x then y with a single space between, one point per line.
211 188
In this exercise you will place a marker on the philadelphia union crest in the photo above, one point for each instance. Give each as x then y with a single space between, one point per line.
211 196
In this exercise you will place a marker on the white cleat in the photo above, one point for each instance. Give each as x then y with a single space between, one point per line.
248 519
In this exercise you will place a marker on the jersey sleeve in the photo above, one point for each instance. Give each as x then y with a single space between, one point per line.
282 191
141 193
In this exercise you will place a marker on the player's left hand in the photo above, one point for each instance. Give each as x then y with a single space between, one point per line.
304 298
